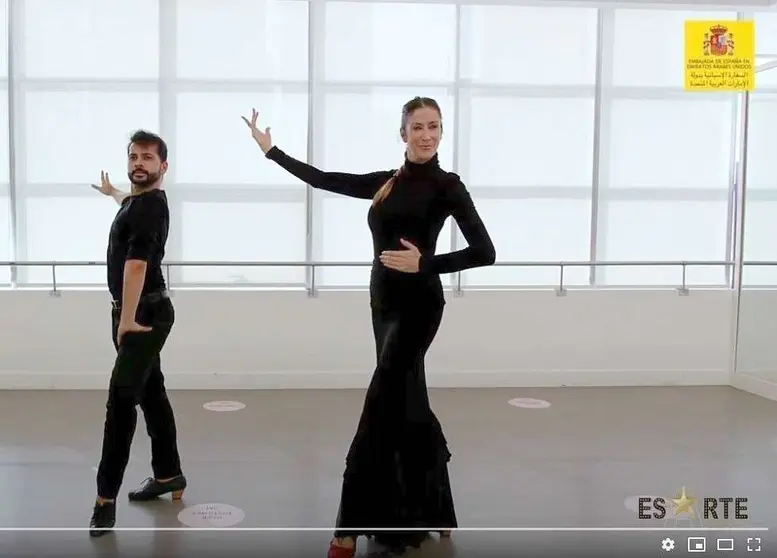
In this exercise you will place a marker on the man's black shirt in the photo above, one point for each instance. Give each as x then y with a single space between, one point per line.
139 232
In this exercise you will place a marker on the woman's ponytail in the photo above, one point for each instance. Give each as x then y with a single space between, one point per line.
385 190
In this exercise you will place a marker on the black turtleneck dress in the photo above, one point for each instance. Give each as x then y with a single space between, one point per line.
397 466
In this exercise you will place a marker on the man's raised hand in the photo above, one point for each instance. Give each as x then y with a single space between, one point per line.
105 187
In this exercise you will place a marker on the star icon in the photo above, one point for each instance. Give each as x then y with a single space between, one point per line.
683 504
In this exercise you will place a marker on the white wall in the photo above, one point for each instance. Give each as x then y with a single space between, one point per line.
756 363
247 339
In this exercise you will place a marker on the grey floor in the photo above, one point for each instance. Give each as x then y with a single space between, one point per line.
580 462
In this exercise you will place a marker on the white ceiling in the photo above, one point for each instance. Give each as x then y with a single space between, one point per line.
729 5
675 4
744 4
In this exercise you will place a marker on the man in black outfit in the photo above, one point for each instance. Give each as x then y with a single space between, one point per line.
143 317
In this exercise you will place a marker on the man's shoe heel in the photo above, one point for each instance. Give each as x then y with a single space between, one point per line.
152 489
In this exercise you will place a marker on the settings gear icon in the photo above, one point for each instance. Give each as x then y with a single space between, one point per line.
667 544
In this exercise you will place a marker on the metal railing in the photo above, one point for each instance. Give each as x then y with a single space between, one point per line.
312 288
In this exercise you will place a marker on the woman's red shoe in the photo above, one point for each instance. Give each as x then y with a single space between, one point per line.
337 551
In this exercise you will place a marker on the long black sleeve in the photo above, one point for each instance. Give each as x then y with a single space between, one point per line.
147 220
480 252
362 186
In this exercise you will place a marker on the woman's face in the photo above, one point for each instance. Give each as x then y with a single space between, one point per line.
422 134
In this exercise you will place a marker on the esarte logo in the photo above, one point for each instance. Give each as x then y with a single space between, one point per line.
684 506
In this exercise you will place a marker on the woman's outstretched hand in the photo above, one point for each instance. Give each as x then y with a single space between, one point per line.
263 139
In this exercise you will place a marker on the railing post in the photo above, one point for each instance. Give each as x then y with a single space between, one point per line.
683 290
169 285
561 291
312 290
54 291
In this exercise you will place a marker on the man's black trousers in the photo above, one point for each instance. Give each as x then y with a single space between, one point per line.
137 380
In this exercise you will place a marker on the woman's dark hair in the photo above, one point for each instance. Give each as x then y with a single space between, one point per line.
407 111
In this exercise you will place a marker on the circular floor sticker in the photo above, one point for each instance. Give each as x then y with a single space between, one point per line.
528 403
221 406
211 515
632 503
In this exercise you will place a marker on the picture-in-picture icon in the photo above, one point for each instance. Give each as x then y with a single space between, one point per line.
697 544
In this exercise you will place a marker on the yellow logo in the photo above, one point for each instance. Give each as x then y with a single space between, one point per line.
719 55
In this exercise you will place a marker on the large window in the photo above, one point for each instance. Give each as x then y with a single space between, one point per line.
6 250
66 229
669 144
521 45
4 52
516 85
761 161
524 142
527 136
548 214
79 133
234 205
665 166
765 33
368 42
244 232
760 232
765 80
533 230
5 170
361 134
511 127
56 164
666 231
760 227
5 236
368 76
227 155
91 40
90 72
241 41
654 59
87 77
361 128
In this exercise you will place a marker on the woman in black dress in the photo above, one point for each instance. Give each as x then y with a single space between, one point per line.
396 474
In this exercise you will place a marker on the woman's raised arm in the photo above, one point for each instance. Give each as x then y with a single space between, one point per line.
362 186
